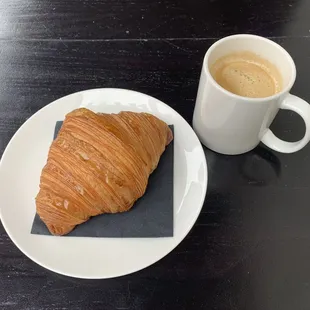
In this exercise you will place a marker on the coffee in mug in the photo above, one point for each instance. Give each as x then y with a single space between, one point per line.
245 80
247 74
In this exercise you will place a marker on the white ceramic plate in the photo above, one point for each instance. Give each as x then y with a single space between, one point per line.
20 170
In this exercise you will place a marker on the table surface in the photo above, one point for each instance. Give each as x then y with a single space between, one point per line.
250 248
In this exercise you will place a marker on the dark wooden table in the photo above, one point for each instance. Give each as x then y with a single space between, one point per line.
250 248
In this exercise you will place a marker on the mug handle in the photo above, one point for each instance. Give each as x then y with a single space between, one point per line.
302 108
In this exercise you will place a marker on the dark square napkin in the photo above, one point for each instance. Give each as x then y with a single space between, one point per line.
151 215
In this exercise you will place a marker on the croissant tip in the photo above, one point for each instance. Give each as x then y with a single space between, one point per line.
169 136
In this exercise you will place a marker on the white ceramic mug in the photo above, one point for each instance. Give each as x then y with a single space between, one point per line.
231 124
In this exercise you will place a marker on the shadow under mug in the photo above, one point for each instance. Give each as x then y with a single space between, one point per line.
232 124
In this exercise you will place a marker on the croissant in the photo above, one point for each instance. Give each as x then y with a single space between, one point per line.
99 163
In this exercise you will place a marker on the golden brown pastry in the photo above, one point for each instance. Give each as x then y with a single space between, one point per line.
99 163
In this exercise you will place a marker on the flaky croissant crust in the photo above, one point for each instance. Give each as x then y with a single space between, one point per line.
99 163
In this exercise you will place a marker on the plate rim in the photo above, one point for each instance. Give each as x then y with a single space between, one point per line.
203 195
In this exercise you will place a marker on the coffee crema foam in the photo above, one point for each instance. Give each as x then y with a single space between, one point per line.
247 74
